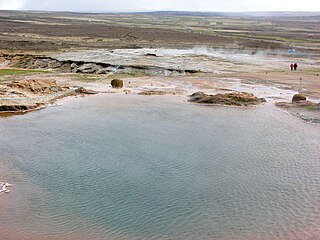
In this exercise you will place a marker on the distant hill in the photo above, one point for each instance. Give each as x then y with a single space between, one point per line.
182 13
235 14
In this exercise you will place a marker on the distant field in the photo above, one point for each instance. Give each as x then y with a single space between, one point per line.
57 31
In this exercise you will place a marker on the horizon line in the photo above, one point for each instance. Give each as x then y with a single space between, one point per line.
159 11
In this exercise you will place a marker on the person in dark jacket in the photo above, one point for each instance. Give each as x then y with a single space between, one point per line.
295 66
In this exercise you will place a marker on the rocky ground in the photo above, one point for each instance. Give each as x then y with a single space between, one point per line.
28 92
303 108
48 56
26 95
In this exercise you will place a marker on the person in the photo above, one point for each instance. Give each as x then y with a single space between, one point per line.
291 66
295 66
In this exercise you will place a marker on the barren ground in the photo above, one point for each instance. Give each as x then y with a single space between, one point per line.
210 53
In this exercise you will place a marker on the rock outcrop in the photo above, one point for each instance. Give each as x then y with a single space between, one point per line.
37 86
306 110
298 97
29 61
153 92
19 107
82 90
117 83
27 95
235 99
88 68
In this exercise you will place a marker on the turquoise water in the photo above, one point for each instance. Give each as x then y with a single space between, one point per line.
136 167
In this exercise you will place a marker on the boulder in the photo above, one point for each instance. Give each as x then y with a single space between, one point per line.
235 98
298 97
117 83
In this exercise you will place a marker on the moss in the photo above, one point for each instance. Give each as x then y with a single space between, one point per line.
5 72
86 77
132 74
309 108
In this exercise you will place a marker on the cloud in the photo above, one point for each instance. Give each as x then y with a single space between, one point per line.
11 4
157 5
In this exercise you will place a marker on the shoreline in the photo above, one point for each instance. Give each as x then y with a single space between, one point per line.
160 85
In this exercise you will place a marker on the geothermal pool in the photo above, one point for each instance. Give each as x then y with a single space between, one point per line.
136 167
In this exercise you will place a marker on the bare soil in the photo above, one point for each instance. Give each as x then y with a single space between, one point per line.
52 41
34 31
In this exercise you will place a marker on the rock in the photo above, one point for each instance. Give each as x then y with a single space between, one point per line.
41 63
74 65
83 90
152 92
305 110
236 99
88 68
103 71
65 67
308 105
151 55
19 107
54 64
298 98
37 86
117 83
192 71
197 96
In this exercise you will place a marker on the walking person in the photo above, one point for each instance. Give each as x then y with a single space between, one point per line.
291 66
295 66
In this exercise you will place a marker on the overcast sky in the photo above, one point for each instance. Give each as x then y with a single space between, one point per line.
157 5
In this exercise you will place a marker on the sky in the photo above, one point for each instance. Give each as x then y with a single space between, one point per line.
161 5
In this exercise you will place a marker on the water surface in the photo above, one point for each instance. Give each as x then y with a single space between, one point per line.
136 167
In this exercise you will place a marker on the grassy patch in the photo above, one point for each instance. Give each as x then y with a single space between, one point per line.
309 108
99 77
6 72
129 74
87 77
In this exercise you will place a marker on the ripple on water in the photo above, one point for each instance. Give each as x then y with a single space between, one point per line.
109 167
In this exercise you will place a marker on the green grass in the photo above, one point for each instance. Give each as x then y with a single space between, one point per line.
6 72
97 77
309 108
132 74
86 77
